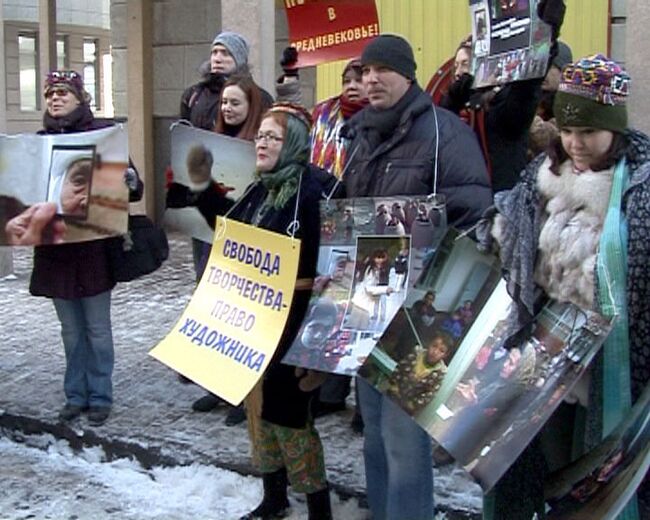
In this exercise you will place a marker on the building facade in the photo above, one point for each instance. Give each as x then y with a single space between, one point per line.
82 41
138 56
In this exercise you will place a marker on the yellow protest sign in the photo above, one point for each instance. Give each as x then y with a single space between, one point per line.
231 327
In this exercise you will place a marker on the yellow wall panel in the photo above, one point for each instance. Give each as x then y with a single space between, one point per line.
436 27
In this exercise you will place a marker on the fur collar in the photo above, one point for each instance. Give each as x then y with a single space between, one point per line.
587 191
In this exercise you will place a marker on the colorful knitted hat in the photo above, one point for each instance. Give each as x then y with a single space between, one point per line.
295 110
236 44
355 65
392 51
66 79
592 93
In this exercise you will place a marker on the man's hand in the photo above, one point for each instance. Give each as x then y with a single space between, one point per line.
35 226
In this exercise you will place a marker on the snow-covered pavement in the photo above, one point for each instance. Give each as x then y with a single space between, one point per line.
152 420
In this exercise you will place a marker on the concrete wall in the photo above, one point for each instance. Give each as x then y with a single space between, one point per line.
182 38
637 40
92 13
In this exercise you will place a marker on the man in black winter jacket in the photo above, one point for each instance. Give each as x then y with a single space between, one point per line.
405 146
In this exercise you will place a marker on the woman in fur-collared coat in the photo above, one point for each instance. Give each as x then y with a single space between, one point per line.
577 225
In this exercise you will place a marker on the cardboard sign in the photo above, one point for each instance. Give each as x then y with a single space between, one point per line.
323 31
231 327
509 41
231 162
79 176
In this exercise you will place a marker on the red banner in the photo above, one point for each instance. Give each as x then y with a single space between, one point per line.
330 30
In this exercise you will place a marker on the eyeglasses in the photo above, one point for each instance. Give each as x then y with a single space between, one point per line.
267 138
61 92
64 74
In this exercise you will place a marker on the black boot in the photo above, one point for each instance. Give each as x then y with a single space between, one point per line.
318 505
275 503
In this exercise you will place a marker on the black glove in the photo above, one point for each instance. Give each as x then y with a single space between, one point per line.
552 12
459 93
179 196
289 61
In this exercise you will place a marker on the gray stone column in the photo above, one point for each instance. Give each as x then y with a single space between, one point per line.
6 261
3 75
46 38
139 71
637 40
255 21
6 253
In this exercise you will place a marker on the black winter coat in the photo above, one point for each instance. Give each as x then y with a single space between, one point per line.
404 163
507 124
79 269
283 402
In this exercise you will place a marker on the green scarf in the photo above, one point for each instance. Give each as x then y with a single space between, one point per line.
282 181
612 295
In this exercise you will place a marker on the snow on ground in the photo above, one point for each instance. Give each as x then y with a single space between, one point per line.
44 479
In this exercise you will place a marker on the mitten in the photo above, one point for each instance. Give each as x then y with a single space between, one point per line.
309 379
179 196
131 179
289 61
552 12
169 176
459 92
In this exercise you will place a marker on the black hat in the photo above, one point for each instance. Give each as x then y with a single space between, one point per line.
391 51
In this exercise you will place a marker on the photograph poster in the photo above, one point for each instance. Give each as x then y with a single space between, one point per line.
199 158
601 482
80 174
419 348
503 397
509 41
371 253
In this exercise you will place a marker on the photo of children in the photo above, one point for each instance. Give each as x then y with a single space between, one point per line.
414 355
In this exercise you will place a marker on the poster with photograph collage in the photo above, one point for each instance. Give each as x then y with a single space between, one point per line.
509 41
428 337
372 251
449 360
499 398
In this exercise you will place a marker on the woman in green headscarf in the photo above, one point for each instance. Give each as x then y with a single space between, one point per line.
284 199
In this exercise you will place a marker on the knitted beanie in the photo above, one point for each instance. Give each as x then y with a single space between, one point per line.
592 93
564 55
354 65
69 80
391 51
236 44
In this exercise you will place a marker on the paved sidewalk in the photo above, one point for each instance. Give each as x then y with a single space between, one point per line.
152 418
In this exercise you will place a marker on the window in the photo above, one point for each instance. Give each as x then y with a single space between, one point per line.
91 71
62 61
28 78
